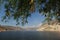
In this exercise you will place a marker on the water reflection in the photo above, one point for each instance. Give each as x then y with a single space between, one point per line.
29 35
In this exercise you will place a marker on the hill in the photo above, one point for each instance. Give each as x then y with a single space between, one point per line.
9 28
54 26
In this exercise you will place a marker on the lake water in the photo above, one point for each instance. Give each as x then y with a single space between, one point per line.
29 35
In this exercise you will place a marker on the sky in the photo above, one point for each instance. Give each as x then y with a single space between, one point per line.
33 21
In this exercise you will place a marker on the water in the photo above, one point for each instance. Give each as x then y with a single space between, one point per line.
29 35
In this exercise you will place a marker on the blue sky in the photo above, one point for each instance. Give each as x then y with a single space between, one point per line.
34 20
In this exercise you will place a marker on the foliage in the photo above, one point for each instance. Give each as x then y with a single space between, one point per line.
50 9
22 9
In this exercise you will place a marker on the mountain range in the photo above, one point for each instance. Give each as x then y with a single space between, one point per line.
53 26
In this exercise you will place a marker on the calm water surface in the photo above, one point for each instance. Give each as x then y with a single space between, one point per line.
29 35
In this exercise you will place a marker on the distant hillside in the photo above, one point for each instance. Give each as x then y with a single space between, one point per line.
54 26
9 28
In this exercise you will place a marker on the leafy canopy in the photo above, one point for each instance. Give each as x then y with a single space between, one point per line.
22 9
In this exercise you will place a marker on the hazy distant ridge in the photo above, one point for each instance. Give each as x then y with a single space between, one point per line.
9 28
